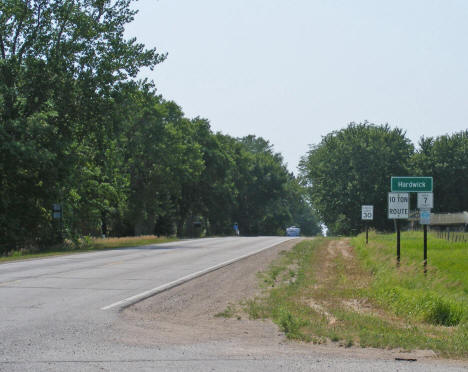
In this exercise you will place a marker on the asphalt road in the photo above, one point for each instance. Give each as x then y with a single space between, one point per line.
56 314
58 309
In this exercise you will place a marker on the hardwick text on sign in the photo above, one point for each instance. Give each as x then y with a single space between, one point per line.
398 205
411 184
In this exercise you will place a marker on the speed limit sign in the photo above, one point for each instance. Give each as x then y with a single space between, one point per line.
367 212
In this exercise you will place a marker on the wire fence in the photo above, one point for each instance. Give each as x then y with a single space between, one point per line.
453 236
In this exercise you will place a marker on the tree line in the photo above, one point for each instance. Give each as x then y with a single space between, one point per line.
352 167
80 130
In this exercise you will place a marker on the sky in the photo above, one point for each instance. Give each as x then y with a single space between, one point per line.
293 71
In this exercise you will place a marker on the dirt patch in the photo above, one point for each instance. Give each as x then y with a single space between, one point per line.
321 310
358 305
340 248
186 314
325 277
329 258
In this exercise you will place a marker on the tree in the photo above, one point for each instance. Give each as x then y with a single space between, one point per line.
263 198
352 167
445 158
76 128
163 160
61 62
302 212
212 197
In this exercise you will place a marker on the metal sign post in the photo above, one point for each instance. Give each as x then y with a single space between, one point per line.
425 219
57 215
367 214
398 208
425 203
398 243
367 233
425 249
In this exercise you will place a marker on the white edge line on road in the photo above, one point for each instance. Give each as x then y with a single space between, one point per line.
161 288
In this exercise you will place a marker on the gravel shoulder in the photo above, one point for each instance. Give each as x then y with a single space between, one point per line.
184 316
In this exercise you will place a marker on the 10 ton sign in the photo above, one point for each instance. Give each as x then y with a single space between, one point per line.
398 205
398 208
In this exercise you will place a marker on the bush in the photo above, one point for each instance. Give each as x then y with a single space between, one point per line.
290 324
255 309
444 312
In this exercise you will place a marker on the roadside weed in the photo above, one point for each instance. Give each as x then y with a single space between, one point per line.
229 312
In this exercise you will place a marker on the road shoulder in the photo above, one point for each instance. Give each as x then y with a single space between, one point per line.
186 316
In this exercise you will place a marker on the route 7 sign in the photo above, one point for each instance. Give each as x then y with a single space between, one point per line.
425 200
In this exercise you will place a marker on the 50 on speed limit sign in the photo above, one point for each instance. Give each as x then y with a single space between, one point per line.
367 212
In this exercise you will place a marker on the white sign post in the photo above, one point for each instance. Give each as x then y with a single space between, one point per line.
398 205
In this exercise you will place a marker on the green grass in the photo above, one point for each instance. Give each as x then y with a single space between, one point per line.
229 312
439 297
319 292
86 245
282 281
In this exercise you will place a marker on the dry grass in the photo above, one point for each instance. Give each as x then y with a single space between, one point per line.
87 244
129 241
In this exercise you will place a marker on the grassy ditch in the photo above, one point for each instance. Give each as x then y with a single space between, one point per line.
86 244
439 298
326 290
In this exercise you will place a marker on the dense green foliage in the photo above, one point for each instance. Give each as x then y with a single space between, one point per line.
446 159
353 166
77 129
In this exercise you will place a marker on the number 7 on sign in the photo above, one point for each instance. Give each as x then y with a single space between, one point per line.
425 200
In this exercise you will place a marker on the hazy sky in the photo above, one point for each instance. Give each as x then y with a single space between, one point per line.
292 71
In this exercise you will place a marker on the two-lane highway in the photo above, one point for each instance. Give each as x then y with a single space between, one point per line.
108 279
62 314
59 308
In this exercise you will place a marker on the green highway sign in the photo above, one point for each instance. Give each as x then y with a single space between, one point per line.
411 184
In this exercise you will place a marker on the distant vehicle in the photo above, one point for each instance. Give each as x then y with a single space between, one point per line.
293 231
